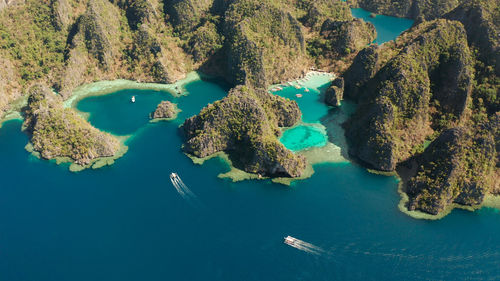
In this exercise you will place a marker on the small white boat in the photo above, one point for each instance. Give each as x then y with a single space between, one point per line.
174 176
298 95
132 99
290 240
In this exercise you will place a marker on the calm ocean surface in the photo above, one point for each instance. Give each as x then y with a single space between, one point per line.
126 222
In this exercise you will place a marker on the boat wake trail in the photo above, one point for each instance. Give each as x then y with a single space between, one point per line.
182 188
303 246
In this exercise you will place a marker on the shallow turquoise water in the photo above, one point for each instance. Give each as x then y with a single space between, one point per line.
388 28
313 110
127 222
302 137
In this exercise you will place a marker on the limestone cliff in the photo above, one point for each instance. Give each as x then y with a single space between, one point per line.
265 44
424 86
457 167
245 126
185 15
104 46
165 110
6 3
481 19
335 93
56 131
345 37
317 11
427 87
10 89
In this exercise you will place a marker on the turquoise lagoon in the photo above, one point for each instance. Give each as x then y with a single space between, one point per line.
126 222
387 27
310 132
303 137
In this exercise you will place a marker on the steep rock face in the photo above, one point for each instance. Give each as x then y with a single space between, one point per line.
205 42
457 167
363 68
335 93
95 45
106 45
186 14
61 10
265 44
9 87
348 36
415 9
154 50
318 11
165 110
99 26
427 84
245 125
56 131
481 19
139 12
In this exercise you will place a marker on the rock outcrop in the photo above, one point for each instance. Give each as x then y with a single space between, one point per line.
9 85
317 11
424 87
345 37
103 46
364 66
165 110
481 19
265 44
56 131
457 167
6 3
335 93
245 126
185 15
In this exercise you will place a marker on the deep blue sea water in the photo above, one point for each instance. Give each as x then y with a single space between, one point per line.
126 222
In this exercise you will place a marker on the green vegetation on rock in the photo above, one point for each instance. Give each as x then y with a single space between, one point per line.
245 125
165 110
428 81
265 43
58 132
435 84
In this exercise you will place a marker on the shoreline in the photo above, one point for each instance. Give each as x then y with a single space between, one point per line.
156 120
328 153
489 201
105 87
101 88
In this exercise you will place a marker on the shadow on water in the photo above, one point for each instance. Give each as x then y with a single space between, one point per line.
333 122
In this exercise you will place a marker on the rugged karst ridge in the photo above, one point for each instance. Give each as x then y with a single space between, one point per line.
245 125
57 132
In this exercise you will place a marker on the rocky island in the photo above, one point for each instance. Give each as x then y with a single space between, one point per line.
165 110
428 109
58 132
